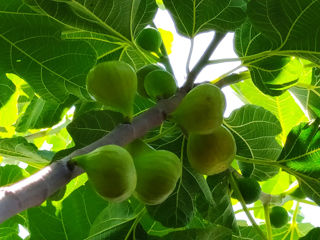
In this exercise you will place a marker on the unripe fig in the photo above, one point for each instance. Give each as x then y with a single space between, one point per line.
160 84
249 188
111 170
278 216
201 110
149 39
212 153
138 147
141 74
157 174
114 84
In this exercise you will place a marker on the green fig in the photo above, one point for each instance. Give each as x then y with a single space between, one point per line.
141 74
138 147
157 175
149 39
249 188
111 170
278 216
212 153
114 84
160 84
201 110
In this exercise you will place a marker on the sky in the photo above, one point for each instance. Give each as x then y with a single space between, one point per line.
178 59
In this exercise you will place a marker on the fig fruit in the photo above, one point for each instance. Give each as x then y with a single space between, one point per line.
249 188
211 153
149 39
111 170
278 216
201 110
157 175
114 84
141 74
138 147
159 84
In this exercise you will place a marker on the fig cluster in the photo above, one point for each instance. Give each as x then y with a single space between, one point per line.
116 173
211 147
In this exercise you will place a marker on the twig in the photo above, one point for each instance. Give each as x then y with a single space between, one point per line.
189 56
267 219
203 60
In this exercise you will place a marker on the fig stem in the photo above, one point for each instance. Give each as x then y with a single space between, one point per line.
267 219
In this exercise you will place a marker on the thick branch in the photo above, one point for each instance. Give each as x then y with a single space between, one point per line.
35 189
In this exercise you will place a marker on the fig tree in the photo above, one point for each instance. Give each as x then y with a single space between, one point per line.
211 153
201 110
278 216
160 84
157 175
141 74
149 39
249 188
111 170
114 84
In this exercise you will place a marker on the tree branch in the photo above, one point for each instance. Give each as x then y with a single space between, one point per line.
35 189
203 60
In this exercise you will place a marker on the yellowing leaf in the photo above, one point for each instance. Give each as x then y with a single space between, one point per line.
167 38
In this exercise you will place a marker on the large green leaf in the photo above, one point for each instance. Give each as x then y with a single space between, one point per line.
7 88
291 25
272 75
32 49
312 235
220 210
107 49
300 157
41 113
214 232
93 125
308 92
254 129
284 233
70 221
179 208
18 149
121 19
192 16
282 106
116 221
